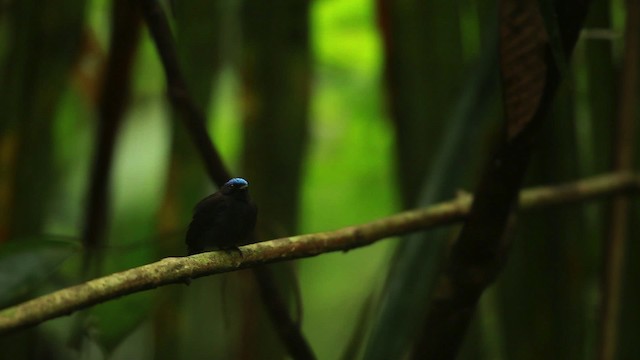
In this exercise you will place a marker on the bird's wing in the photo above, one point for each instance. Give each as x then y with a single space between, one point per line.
205 221
211 204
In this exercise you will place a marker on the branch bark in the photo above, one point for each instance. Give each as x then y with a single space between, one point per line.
531 59
194 119
175 270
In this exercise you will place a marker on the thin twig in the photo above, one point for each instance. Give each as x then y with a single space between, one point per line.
193 117
179 269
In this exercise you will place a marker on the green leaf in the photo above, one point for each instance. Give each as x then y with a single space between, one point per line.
416 263
359 333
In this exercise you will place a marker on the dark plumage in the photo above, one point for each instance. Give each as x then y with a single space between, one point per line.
222 220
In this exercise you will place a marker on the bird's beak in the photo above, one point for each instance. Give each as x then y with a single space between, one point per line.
244 187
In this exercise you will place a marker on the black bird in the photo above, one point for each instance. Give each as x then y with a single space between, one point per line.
222 220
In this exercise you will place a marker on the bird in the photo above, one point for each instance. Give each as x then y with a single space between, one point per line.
222 220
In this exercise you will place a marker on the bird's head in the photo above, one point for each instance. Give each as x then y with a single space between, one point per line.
234 185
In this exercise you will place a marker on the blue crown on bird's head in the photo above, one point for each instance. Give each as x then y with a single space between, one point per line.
239 182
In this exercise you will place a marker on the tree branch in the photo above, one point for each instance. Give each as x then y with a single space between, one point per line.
193 117
530 58
179 269
195 122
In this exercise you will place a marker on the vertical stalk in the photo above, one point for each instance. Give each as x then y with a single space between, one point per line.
114 100
623 161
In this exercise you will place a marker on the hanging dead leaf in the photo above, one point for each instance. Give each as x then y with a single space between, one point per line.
523 61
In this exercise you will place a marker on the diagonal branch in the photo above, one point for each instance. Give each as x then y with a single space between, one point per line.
193 117
195 122
530 78
175 270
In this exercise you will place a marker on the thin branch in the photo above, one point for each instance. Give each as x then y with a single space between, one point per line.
297 346
175 270
530 77
195 121
192 116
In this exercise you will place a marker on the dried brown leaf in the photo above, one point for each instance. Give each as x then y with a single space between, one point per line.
523 61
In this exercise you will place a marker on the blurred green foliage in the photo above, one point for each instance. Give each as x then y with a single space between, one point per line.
544 305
